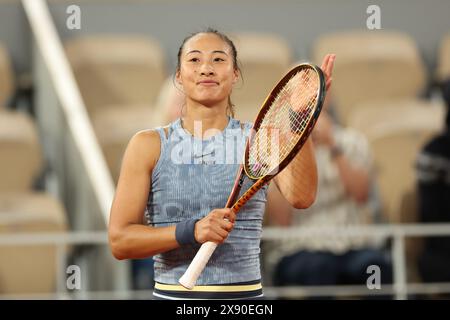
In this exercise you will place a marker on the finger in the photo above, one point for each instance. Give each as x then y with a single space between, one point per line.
331 65
222 213
217 239
216 234
328 83
227 225
221 232
231 215
222 240
325 62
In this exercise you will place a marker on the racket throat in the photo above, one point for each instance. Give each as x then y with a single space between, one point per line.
238 183
249 193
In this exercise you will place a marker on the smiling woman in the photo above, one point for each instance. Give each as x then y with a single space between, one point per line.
184 202
207 69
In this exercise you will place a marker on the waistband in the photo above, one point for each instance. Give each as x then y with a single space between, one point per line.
251 289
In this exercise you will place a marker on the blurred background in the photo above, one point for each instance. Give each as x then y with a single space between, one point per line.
79 78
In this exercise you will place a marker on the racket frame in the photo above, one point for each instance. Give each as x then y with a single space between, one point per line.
309 126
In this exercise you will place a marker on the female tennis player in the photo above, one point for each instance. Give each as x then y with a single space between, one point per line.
181 175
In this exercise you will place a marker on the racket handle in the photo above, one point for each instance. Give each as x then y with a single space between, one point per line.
197 265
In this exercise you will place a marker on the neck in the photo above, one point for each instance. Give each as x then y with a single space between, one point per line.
200 120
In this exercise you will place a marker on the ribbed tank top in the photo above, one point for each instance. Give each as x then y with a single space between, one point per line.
192 177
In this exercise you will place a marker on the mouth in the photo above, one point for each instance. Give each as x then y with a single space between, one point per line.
208 83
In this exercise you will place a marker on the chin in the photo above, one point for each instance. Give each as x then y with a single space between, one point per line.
210 102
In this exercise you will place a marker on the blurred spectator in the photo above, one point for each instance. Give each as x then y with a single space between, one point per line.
433 172
345 197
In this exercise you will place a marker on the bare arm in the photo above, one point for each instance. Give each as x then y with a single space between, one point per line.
278 210
128 237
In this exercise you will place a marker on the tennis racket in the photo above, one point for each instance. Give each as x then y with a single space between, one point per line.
281 128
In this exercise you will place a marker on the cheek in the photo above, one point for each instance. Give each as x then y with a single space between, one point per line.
186 73
187 81
228 77
229 84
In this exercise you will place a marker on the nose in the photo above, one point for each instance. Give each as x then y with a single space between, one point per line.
206 69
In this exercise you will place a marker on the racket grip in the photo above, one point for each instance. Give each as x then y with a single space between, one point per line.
197 265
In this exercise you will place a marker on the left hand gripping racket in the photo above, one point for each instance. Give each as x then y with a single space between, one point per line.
281 128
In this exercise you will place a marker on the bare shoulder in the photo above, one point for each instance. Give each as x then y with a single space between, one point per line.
143 149
146 137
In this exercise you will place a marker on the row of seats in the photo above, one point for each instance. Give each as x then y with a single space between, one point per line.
371 66
24 268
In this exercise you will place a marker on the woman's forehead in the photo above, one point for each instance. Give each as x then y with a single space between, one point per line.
206 42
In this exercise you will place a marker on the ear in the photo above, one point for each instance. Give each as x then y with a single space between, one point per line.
178 77
236 75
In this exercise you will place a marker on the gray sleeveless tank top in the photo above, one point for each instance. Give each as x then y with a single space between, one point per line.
193 177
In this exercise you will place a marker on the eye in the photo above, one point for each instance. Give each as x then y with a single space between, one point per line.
194 59
219 59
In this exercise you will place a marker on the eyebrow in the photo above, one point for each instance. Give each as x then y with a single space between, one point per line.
215 51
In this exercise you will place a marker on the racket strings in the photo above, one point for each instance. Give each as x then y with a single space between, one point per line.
283 123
